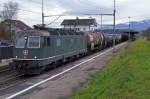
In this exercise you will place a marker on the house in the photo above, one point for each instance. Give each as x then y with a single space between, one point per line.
15 27
83 25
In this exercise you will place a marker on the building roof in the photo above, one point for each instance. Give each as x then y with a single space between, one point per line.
17 23
79 22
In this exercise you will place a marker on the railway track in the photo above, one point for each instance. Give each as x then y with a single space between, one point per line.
4 70
6 73
8 77
10 82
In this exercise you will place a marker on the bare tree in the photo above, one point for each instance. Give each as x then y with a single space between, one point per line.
10 11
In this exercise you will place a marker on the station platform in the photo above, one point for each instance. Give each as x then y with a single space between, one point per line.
5 62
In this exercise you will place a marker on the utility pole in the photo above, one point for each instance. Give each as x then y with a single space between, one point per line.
43 25
114 26
101 23
129 29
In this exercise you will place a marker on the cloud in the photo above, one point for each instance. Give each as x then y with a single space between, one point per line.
84 6
137 9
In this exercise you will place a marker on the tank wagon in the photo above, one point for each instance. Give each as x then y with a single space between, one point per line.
95 40
36 50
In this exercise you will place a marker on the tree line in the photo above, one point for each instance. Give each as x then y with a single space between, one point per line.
9 12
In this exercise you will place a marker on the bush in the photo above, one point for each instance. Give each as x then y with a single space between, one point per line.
4 32
147 34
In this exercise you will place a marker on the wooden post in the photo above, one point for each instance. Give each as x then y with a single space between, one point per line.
148 36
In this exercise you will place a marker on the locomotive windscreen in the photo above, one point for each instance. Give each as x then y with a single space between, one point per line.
34 42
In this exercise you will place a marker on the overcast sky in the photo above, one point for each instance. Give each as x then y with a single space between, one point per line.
137 9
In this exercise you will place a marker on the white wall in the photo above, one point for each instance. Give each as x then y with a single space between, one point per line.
80 27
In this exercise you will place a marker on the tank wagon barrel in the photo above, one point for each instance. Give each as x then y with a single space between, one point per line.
95 40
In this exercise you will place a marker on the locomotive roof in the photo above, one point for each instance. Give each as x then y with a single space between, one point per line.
63 32
34 33
49 32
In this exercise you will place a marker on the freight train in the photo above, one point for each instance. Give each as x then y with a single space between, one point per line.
37 49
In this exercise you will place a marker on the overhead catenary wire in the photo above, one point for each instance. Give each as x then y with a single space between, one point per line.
54 20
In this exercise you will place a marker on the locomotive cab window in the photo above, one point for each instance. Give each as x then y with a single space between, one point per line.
34 42
48 41
20 43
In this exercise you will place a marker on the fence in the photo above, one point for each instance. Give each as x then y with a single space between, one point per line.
6 52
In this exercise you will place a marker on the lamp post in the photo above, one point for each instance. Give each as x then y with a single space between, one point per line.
101 23
129 29
0 18
43 14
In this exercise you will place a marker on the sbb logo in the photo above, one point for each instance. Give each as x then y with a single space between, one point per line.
25 52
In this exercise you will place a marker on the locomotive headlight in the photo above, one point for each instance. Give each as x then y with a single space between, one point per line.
25 37
35 57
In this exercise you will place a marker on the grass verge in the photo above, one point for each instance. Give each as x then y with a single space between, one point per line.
126 77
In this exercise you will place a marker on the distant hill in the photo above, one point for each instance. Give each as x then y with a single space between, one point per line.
136 25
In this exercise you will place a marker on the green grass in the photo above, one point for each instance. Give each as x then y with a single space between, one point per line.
126 77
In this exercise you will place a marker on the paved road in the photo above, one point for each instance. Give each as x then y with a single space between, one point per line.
67 84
